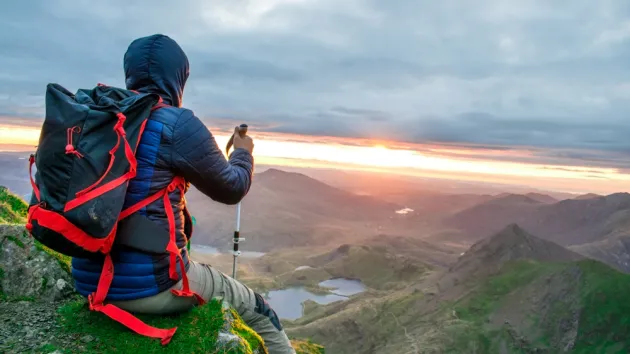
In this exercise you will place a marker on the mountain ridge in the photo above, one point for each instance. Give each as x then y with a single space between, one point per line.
487 256
567 222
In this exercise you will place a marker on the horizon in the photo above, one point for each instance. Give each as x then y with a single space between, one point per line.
324 85
396 158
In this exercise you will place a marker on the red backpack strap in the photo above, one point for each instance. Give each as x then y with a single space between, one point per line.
128 320
174 252
96 299
31 161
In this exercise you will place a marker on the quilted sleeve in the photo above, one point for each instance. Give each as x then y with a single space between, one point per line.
197 157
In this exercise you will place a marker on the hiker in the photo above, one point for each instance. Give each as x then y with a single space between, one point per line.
175 143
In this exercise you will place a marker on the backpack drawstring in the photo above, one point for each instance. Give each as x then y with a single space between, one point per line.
69 147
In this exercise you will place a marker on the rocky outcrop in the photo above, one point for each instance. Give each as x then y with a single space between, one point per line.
28 271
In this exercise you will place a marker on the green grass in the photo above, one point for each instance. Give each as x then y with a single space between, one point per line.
2 296
197 331
240 329
16 240
604 321
307 347
6 298
483 300
64 261
44 283
13 209
47 348
12 204
602 292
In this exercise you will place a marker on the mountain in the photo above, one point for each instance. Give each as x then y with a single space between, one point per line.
541 307
490 216
543 198
587 196
510 244
488 256
567 222
286 209
539 197
518 294
614 248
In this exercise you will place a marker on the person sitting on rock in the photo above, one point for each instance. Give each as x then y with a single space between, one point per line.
176 143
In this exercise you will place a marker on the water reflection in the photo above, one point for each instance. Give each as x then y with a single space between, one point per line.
288 303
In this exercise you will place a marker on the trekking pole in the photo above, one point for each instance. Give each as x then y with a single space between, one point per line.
237 231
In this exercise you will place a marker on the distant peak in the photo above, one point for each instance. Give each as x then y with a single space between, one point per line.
512 233
515 198
513 228
588 196
545 198
272 171
488 256
519 243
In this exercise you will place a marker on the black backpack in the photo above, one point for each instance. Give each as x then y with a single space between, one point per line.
85 159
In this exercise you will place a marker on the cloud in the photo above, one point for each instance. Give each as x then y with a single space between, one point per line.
527 73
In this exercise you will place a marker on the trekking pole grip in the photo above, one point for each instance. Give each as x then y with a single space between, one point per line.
242 130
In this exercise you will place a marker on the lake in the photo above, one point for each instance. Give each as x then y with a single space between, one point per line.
288 302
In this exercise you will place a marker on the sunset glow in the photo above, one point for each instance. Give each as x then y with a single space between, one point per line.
304 151
18 135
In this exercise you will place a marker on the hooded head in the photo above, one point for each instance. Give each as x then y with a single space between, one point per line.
157 64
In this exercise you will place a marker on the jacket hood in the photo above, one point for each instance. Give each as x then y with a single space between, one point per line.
157 64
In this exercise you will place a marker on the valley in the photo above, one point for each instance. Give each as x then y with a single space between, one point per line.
462 270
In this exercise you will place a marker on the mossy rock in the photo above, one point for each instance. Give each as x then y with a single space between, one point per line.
212 328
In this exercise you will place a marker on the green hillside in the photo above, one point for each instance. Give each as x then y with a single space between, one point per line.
546 307
12 208
528 307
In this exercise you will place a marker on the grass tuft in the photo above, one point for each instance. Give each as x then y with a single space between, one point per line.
307 347
16 241
250 336
13 209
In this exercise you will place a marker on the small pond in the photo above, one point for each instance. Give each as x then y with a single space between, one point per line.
288 302
404 211
213 250
303 268
344 287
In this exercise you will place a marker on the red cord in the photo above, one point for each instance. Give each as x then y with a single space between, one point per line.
69 147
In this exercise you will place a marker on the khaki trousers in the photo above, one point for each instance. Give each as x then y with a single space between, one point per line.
210 283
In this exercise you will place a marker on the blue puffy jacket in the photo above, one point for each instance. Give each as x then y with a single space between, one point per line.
175 143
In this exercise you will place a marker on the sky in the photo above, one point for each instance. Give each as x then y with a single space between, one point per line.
528 92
